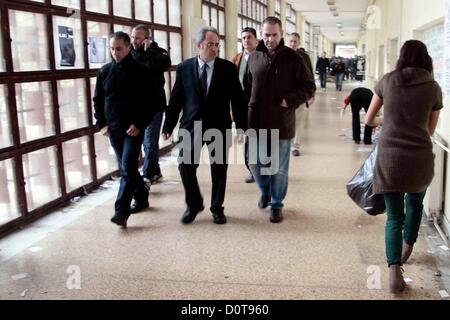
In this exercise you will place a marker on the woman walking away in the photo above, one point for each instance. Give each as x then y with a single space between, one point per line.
405 163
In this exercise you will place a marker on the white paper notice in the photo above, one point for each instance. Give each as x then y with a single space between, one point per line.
446 88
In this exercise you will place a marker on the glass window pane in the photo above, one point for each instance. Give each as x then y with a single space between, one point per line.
93 82
142 10
160 38
67 3
214 18
34 110
126 29
222 49
76 163
205 13
160 11
68 40
40 169
5 128
2 58
167 85
221 22
100 6
175 13
29 41
9 209
105 157
72 104
98 44
175 48
122 8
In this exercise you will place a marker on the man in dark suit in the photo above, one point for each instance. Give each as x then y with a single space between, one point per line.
203 89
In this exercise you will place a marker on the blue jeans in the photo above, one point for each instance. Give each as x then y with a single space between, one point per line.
275 185
127 151
339 80
151 147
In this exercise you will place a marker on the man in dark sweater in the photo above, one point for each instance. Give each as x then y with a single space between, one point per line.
360 98
122 115
147 52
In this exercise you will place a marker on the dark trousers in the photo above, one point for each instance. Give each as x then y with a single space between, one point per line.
127 150
323 79
188 173
246 150
151 147
357 125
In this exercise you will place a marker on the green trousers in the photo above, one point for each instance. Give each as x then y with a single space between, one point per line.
401 226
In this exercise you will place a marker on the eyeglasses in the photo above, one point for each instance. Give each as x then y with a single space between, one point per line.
212 44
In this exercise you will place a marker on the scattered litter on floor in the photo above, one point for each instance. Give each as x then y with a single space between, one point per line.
432 237
168 183
19 276
363 150
444 247
408 280
430 251
24 292
359 227
438 274
444 294
44 292
35 249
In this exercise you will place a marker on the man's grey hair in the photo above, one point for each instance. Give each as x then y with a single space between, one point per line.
201 35
144 29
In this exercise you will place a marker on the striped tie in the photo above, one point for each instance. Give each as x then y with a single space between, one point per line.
204 79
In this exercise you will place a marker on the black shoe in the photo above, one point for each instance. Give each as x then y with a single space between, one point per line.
119 220
367 143
249 179
219 218
155 178
264 201
139 207
275 215
296 153
189 215
357 142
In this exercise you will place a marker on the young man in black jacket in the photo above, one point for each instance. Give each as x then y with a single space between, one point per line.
122 115
147 52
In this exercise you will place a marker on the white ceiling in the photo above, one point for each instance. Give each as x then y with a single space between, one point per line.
351 15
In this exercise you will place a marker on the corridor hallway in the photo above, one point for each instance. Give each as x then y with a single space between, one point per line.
323 249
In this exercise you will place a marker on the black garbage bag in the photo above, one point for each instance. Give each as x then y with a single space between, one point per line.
360 188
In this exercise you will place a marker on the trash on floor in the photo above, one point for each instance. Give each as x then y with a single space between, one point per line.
407 280
35 249
444 294
444 247
19 276
24 292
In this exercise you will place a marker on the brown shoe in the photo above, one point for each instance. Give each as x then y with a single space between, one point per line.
396 282
406 251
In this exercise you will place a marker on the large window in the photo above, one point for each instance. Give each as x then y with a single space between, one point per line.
50 150
291 19
251 14
213 11
278 9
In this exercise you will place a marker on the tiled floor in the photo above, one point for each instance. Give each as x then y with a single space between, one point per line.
326 248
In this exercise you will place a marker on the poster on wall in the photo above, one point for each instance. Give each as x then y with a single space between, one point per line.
66 46
446 88
97 50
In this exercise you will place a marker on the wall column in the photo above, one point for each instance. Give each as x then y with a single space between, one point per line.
271 8
231 15
192 22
